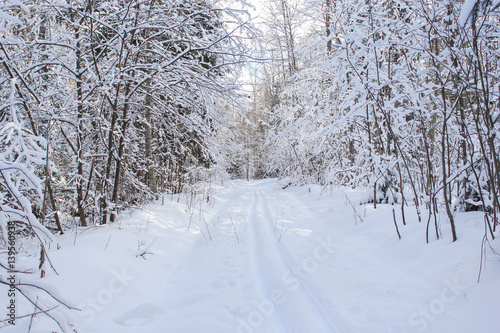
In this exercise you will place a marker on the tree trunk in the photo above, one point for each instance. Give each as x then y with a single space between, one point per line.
328 25
121 151
80 139
444 167
151 177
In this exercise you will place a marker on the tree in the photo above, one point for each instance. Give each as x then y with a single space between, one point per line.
389 98
129 93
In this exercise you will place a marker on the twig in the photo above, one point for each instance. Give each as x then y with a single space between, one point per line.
234 229
485 238
32 316
394 217
282 233
208 230
109 238
355 212
28 315
35 304
27 271
46 312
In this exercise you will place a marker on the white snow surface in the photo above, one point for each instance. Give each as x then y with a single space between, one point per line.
260 258
466 11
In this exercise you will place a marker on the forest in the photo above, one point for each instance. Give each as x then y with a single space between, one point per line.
398 97
107 106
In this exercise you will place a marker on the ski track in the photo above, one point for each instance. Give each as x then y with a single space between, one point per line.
303 294
237 278
266 292
256 269
298 309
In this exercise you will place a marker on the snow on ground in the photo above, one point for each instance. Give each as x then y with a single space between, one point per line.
257 258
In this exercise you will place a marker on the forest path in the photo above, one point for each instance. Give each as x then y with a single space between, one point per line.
285 293
238 278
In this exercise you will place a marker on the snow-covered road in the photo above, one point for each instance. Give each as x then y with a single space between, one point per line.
241 280
258 258
285 298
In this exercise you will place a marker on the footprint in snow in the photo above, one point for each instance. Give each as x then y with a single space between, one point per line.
140 315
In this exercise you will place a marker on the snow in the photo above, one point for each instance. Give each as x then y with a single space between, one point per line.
260 258
466 12
6 17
